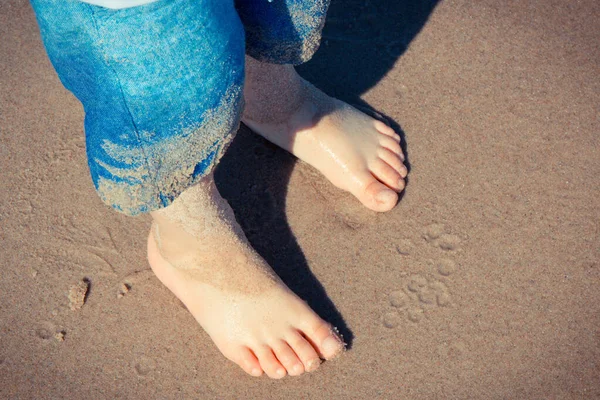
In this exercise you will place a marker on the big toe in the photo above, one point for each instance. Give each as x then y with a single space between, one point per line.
326 341
377 196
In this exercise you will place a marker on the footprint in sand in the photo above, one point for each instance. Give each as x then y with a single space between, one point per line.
445 267
448 242
405 247
392 319
47 331
437 236
44 332
420 294
433 232
144 366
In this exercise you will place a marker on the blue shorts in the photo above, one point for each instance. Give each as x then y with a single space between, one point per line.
162 84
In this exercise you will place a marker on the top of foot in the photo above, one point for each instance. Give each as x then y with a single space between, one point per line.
253 318
356 152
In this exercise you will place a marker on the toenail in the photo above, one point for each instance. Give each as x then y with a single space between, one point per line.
331 346
297 368
280 372
313 364
385 196
256 372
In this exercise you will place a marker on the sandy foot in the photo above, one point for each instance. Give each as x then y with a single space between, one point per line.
198 251
355 152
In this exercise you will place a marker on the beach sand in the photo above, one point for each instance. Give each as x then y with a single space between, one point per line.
482 283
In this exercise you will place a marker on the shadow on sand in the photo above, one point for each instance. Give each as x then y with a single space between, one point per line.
362 41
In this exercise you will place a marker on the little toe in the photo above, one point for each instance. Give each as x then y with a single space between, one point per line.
288 358
270 364
247 361
387 175
305 351
393 160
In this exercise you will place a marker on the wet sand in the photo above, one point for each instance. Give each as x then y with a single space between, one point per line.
482 283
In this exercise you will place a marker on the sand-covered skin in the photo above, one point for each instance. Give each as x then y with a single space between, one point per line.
198 250
482 282
224 259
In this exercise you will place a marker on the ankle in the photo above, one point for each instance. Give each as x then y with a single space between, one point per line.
272 92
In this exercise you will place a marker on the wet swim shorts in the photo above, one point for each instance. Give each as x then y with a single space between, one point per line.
161 84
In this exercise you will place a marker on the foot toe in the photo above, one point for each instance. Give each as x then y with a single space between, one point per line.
327 343
270 364
372 193
391 144
247 361
305 351
386 130
387 175
393 160
288 358
379 197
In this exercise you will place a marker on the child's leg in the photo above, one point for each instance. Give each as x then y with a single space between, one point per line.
354 151
161 86
197 249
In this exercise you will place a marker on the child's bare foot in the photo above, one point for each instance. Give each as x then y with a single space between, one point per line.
197 249
354 151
